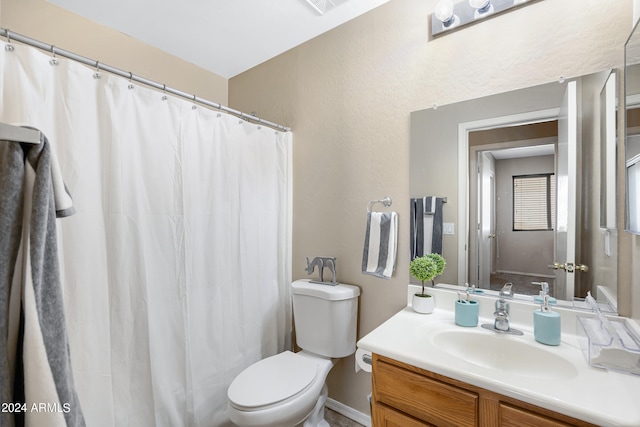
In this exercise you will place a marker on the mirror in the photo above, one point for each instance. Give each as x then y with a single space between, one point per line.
480 154
608 152
632 140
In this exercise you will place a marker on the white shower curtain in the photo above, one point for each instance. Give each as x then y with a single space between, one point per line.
176 266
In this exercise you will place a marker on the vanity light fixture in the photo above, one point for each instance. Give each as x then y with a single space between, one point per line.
321 6
448 15
482 8
444 12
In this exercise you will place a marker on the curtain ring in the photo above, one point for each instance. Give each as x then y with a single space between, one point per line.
131 86
194 106
9 47
53 60
97 74
164 93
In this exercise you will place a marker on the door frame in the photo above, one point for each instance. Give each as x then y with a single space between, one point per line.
486 211
467 237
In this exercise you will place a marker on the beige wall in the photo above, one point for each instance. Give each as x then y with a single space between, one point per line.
348 93
50 24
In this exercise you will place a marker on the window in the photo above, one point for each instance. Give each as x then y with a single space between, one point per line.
534 202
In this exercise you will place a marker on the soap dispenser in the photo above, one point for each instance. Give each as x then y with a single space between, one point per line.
546 324
544 290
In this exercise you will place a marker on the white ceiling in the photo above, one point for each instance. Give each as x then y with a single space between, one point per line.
532 151
225 37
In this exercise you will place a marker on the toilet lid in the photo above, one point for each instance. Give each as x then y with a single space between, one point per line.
272 380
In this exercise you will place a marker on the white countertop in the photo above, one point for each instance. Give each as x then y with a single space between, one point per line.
594 395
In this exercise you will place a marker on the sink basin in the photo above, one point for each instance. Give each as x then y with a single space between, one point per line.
509 354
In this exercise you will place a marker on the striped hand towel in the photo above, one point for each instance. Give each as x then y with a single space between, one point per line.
426 226
380 244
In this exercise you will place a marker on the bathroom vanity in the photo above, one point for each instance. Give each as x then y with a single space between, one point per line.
404 395
429 371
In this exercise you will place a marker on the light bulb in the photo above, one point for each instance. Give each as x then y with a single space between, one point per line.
444 13
482 7
479 4
444 10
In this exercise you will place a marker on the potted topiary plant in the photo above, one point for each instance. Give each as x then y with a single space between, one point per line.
440 263
425 268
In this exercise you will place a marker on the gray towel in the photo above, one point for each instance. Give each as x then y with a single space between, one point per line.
380 244
426 226
11 182
46 378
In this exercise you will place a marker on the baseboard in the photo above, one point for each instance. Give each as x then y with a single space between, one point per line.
349 412
521 273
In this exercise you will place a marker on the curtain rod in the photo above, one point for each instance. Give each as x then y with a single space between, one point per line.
10 35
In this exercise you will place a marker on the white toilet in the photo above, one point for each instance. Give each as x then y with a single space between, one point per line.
289 389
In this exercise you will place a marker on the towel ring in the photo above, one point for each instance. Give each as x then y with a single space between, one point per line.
386 201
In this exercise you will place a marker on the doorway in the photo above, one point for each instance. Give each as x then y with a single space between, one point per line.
501 160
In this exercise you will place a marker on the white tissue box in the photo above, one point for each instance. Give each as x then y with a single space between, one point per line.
615 348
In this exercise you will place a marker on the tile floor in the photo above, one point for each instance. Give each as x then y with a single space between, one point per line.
521 284
337 420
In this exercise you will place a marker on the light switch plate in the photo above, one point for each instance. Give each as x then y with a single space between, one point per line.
448 228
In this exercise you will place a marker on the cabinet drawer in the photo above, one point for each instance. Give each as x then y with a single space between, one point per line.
424 398
511 416
385 416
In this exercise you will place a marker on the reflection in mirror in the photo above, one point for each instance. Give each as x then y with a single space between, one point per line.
524 202
608 143
515 205
632 143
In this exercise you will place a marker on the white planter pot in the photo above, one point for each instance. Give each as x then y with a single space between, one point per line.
424 305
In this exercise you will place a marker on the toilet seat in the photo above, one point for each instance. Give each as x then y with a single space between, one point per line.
272 381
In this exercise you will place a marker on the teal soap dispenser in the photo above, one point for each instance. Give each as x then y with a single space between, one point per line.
546 324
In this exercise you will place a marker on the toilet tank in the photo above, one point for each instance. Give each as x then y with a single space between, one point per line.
325 317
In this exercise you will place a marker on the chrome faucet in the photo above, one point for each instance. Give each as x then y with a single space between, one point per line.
501 314
507 290
501 322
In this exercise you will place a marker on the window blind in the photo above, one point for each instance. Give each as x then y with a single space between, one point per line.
534 202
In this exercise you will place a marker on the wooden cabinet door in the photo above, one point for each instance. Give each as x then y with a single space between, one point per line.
384 416
424 398
511 416
406 396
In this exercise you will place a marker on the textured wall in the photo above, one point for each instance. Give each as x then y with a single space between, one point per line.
50 24
348 93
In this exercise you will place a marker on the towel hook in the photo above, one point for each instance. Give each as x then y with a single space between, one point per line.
386 201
